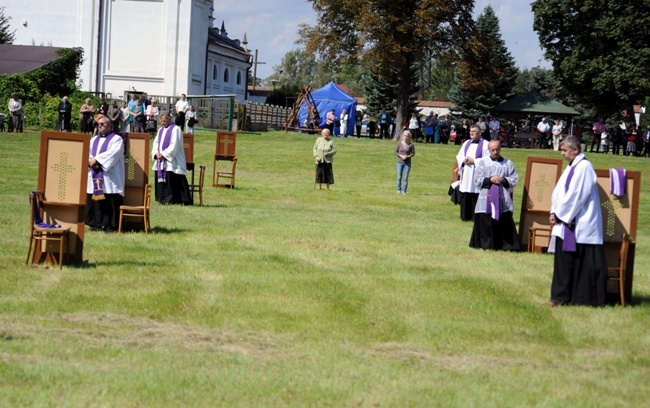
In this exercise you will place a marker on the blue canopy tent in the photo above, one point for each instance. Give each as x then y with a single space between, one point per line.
327 98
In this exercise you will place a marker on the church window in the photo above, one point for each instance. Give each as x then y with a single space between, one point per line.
226 76
239 78
214 72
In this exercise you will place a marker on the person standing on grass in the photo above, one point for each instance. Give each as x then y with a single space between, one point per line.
580 270
15 113
169 164
105 185
404 150
494 227
475 148
344 123
324 151
65 115
557 134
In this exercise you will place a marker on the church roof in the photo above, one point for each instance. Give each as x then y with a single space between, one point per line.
220 37
18 59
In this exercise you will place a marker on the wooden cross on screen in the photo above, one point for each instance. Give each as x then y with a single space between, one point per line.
226 142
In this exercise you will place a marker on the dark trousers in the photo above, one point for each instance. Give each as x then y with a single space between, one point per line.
383 131
595 141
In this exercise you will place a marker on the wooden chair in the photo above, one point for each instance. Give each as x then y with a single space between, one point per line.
539 238
198 188
41 231
224 174
139 211
617 273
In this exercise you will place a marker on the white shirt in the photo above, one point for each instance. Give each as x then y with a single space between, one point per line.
494 125
174 153
579 204
15 105
112 162
467 170
182 105
543 127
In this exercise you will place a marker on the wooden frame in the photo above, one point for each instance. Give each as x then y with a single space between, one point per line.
620 216
542 175
188 149
225 150
62 177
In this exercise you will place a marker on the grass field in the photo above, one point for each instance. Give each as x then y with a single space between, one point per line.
277 294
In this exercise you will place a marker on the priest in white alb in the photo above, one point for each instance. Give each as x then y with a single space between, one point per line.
169 164
580 269
475 148
105 186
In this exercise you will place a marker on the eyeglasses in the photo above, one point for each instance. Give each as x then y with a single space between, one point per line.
102 123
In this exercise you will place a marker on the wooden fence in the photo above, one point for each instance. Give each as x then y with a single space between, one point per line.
262 117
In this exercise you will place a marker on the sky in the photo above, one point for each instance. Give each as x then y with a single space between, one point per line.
271 27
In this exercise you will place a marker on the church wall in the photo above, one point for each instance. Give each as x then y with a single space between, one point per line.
155 46
58 23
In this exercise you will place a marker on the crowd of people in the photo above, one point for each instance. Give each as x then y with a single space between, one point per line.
139 114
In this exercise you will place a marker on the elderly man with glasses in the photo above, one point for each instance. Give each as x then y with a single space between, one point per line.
105 187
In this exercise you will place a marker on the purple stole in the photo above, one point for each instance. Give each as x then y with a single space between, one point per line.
617 182
479 148
37 216
98 173
494 202
163 143
569 241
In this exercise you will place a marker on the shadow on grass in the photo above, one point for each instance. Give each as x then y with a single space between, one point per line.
639 300
164 230
126 263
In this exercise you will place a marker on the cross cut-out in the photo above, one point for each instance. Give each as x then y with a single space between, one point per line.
611 206
225 142
63 168
130 167
541 185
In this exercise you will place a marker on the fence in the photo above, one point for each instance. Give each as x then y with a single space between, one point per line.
262 117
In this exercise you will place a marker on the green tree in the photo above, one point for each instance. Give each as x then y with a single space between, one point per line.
441 80
594 49
536 79
389 37
6 35
487 72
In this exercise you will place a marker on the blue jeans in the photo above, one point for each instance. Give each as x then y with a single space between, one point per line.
403 170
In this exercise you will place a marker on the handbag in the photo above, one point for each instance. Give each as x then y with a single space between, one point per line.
191 122
151 125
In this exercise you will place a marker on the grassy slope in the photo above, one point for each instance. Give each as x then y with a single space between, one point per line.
279 294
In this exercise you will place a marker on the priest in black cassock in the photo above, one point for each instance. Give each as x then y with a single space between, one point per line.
580 269
494 227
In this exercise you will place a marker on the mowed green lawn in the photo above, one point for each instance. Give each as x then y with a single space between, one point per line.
277 294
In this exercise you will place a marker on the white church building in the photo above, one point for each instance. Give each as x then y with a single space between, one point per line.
162 47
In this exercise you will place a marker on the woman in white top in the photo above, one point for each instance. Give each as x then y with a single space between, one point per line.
557 134
125 118
190 115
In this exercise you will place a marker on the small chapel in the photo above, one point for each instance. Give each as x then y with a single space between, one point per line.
162 47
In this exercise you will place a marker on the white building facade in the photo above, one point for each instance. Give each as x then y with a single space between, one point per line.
161 47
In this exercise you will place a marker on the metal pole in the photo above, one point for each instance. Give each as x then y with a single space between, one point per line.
231 109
